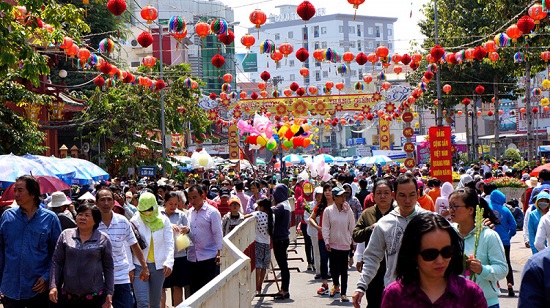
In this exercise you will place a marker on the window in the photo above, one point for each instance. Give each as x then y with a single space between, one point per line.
341 29
342 44
351 30
377 31
356 135
316 31
378 44
369 44
317 46
390 32
277 36
324 45
352 44
317 64
353 73
360 72
317 76
290 34
291 63
390 45
325 74
323 30
370 31
292 77
359 45
358 30
278 64
135 64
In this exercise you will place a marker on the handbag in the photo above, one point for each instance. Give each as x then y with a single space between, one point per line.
141 242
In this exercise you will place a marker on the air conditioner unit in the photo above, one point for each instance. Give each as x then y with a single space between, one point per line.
135 44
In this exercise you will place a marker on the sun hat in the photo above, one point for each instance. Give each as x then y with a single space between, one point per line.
59 199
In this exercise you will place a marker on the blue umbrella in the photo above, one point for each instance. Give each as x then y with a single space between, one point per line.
378 159
294 159
329 159
13 166
87 168
62 171
81 177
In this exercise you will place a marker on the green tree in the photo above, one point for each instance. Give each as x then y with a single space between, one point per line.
127 115
25 49
512 154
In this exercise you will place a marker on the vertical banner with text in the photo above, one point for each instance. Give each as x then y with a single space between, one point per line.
384 131
233 136
441 162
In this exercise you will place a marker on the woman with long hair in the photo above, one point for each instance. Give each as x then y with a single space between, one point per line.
488 265
326 200
361 235
264 231
429 266
256 190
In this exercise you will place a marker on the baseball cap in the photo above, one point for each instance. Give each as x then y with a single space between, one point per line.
338 191
225 192
235 200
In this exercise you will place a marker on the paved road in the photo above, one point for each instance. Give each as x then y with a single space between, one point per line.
303 286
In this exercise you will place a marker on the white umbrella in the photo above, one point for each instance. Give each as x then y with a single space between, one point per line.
329 159
293 158
374 160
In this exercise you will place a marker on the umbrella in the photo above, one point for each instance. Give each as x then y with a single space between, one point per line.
329 159
182 159
81 177
62 171
277 165
87 168
350 159
245 164
374 160
48 184
293 158
13 166
537 170
260 161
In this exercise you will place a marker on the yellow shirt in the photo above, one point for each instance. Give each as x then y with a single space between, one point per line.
151 253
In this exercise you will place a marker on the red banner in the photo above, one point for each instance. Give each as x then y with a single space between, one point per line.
441 162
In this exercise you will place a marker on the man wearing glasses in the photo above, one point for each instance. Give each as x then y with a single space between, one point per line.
386 236
121 235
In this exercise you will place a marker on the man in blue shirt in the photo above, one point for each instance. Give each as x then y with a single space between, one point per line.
28 235
535 281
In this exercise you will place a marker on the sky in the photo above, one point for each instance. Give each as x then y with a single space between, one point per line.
406 28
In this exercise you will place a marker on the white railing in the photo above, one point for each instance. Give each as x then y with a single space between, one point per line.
235 285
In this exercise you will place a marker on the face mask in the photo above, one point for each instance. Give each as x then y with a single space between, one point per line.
543 205
128 200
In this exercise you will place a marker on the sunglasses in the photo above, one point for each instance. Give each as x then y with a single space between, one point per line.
431 254
147 210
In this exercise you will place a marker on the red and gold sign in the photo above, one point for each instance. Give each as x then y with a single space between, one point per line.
384 132
408 132
441 153
407 117
233 137
32 111
408 147
56 111
410 163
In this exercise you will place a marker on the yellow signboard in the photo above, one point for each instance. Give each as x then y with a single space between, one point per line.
315 105
384 132
233 136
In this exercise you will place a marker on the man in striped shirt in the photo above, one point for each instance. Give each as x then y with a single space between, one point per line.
120 232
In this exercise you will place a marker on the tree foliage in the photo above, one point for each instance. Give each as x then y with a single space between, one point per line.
512 154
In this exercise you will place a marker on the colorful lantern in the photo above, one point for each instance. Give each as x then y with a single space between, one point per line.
202 29
226 87
176 24
149 13
145 39
519 57
106 46
267 46
342 69
116 7
248 40
502 40
219 26
359 86
305 10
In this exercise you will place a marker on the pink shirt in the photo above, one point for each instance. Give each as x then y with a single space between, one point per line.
338 227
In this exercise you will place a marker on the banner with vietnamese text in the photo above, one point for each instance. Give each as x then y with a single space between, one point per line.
441 162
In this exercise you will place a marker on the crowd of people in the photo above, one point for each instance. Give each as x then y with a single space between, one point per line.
411 237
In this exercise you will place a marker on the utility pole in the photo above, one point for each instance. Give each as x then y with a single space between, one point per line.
496 118
528 113
439 112
162 112
467 118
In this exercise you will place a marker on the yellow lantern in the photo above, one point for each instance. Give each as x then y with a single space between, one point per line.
544 102
415 115
417 125
308 188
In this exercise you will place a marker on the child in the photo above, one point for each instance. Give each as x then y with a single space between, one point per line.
264 230
234 217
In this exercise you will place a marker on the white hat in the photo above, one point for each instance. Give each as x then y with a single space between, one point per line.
59 199
87 196
533 182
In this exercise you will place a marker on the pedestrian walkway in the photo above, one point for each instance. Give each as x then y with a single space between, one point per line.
303 286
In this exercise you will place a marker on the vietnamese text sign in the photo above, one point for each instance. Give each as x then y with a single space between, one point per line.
233 137
147 171
384 132
441 153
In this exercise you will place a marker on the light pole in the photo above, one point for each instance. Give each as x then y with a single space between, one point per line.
439 112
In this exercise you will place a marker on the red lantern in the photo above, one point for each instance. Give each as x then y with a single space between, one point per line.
372 58
265 76
305 10
202 29
340 86
72 51
361 58
149 61
523 110
526 24
145 39
226 38
329 85
302 54
545 55
513 32
263 94
382 51
312 90
99 81
386 85
414 66
218 60
396 58
459 113
160 84
348 56
406 59
301 91
254 95
356 3
304 71
469 54
286 49
243 95
447 88
149 13
535 110
105 67
288 92
258 18
318 54
545 108
397 69
480 89
490 113
437 52
248 40
294 86
537 12
262 86
117 7
416 57
479 113
501 112
227 78
276 56
212 96
370 117
466 101
493 56
67 43
428 75
84 54
367 79
480 53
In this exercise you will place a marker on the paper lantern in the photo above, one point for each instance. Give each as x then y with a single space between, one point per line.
480 53
359 86
361 58
84 54
145 39
106 46
502 40
302 54
312 90
459 113
276 56
99 81
287 92
72 51
219 26
304 71
348 56
160 84
305 10
248 40
480 89
263 94
116 7
227 78
227 37
386 85
149 61
466 101
340 86
176 24
447 88
493 56
367 78
396 58
526 24
500 112
513 32
218 60
286 49
329 85
535 110
523 110
414 66
490 113
406 59
267 46
254 95
265 76
490 46
397 69
545 56
149 13
202 29
382 51
479 113
67 43
537 12
546 109
258 18
262 85
428 75
437 52
294 86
